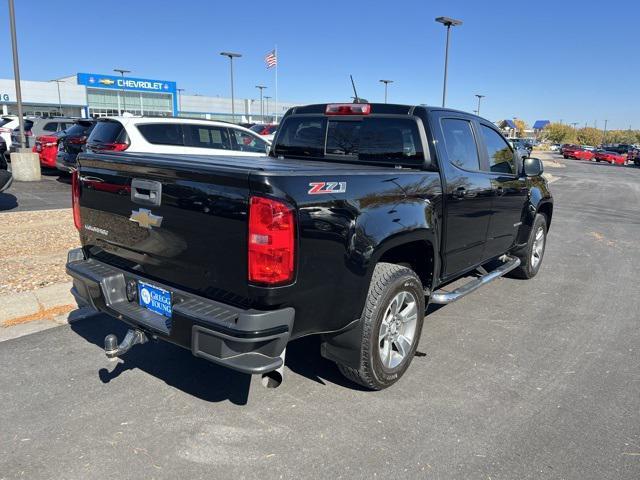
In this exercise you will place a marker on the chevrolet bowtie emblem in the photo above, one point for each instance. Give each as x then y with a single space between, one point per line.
106 81
145 218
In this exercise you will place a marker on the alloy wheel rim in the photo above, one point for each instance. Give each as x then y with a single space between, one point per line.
538 248
398 329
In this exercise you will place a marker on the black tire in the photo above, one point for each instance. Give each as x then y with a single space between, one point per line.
565 156
527 268
387 282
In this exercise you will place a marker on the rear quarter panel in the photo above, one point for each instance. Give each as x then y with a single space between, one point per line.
341 236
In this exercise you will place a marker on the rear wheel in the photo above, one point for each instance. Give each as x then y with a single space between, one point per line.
531 255
391 327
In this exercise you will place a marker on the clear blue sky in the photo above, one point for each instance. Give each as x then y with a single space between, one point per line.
570 60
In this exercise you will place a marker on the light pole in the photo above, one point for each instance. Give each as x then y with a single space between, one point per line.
261 87
480 97
231 56
16 69
124 99
447 22
58 82
266 97
179 90
386 84
604 134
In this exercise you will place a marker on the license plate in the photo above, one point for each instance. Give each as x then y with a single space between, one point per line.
154 298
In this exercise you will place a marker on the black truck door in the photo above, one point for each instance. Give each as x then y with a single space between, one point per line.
467 189
509 190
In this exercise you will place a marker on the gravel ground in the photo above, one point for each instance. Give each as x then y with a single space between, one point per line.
34 248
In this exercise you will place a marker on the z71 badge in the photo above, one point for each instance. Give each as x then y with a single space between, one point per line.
318 188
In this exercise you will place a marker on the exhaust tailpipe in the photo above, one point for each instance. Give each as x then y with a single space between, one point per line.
274 378
113 350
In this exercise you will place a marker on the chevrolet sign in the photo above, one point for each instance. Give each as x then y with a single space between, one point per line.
119 83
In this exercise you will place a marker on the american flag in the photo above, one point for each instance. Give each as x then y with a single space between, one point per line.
271 59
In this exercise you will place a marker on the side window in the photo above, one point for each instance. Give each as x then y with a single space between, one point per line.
460 143
500 154
50 127
162 133
204 136
245 142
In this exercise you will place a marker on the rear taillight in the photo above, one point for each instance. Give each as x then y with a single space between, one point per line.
348 109
271 241
75 199
111 147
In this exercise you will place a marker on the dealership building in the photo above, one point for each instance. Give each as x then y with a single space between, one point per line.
97 95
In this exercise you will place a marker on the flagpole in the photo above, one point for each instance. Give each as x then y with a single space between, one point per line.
275 116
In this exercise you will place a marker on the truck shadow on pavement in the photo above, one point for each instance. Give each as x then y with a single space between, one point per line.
178 368
8 202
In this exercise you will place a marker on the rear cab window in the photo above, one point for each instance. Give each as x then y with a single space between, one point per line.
381 140
460 144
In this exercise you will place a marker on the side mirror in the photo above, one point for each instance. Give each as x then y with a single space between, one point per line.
533 167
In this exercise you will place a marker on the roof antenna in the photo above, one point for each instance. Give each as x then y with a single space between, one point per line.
356 99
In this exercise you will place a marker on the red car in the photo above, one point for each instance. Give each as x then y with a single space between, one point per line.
567 150
611 157
582 154
47 148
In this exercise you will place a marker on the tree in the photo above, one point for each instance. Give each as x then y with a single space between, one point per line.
521 126
589 136
559 133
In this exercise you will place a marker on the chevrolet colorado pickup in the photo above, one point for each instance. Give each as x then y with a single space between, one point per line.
360 216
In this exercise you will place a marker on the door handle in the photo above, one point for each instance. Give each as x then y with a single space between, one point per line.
146 192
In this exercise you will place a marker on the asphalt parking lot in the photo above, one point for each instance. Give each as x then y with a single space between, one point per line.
52 191
520 380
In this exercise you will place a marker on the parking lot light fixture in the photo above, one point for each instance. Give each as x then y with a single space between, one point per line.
480 97
121 71
179 90
261 87
447 22
386 84
58 82
16 70
231 56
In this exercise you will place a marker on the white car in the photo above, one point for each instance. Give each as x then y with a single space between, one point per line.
7 124
175 135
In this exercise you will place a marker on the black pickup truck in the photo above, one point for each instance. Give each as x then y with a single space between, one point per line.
360 216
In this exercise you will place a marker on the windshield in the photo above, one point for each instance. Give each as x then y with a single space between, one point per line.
380 140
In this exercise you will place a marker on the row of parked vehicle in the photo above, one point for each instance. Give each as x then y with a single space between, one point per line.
621 154
59 140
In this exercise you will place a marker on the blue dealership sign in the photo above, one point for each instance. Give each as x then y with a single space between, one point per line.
126 83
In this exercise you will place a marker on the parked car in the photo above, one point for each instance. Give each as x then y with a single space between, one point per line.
634 156
46 147
618 148
7 124
611 157
581 154
356 221
35 127
591 148
175 135
554 147
265 130
568 149
71 142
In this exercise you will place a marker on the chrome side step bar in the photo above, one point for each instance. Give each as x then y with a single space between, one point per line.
443 298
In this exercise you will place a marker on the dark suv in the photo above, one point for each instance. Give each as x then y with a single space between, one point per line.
72 143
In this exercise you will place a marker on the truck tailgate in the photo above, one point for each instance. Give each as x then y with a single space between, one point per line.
168 219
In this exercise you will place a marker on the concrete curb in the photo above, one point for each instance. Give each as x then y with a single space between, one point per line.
43 303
